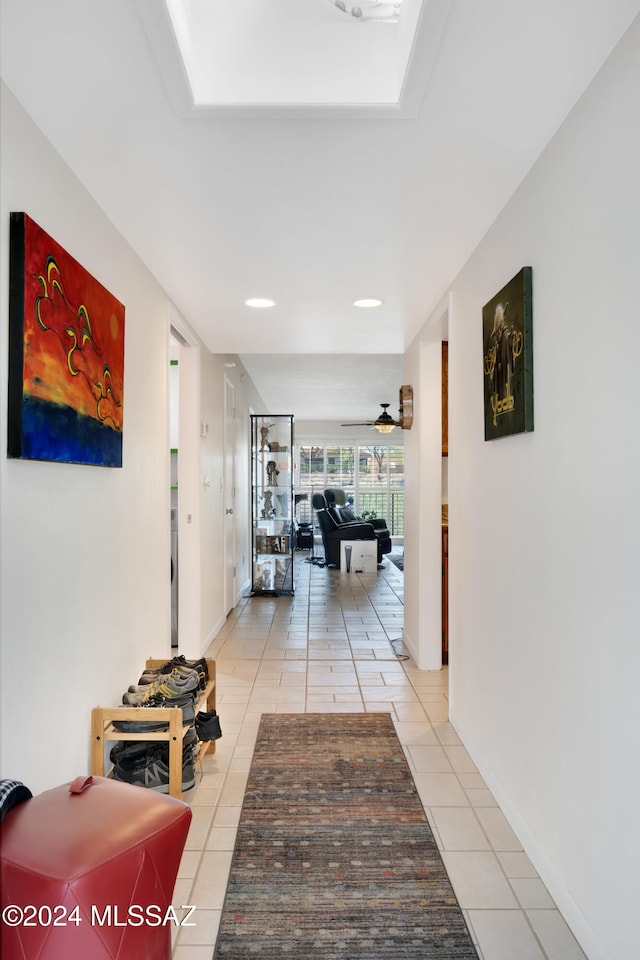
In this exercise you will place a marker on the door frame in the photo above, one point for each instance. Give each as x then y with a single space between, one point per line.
229 497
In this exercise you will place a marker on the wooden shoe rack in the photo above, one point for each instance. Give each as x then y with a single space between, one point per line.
102 728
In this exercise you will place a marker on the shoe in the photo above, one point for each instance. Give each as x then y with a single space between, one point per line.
153 676
178 673
153 774
129 754
128 751
208 726
140 726
176 663
148 726
169 688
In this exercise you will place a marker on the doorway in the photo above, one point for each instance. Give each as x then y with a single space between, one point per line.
183 396
174 393
229 496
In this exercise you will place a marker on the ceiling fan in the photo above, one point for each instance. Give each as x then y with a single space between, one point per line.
385 422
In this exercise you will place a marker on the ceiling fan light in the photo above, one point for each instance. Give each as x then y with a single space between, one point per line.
385 423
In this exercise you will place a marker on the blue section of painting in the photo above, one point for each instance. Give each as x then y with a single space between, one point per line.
54 432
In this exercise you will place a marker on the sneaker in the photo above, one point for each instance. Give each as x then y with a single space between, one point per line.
208 726
156 676
191 743
140 726
178 673
129 754
179 663
169 688
126 751
148 726
153 774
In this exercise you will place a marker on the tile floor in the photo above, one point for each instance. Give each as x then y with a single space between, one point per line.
329 649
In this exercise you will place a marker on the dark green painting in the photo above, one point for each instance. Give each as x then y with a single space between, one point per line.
508 359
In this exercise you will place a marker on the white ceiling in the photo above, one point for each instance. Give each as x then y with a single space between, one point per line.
304 200
338 387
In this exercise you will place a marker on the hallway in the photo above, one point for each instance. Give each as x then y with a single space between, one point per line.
329 649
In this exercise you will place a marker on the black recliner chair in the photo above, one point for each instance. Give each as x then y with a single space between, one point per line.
338 508
334 531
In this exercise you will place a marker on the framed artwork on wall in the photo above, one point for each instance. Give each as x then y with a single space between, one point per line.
507 331
66 355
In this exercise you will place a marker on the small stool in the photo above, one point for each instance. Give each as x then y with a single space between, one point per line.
92 866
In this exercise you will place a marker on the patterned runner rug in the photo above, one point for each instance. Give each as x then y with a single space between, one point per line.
334 858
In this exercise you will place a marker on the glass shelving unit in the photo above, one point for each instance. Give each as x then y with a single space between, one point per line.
272 518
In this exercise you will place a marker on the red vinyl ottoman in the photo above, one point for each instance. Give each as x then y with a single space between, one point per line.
88 870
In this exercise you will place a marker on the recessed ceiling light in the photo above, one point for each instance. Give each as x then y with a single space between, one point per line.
260 302
368 302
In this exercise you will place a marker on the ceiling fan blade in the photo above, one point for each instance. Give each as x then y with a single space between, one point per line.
384 424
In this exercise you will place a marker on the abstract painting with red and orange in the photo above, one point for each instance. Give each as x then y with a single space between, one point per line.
66 350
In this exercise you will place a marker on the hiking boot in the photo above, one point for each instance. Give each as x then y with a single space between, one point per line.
208 726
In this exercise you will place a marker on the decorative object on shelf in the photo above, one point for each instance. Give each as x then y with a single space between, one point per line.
507 329
273 544
379 10
66 355
268 509
273 528
385 422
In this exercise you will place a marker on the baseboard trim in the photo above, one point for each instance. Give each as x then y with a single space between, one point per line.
414 651
569 909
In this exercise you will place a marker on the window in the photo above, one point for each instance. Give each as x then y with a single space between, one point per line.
371 476
381 484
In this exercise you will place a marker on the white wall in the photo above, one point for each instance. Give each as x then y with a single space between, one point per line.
422 633
84 573
544 527
84 581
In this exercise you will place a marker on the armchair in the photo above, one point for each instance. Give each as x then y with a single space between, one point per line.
335 531
338 508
